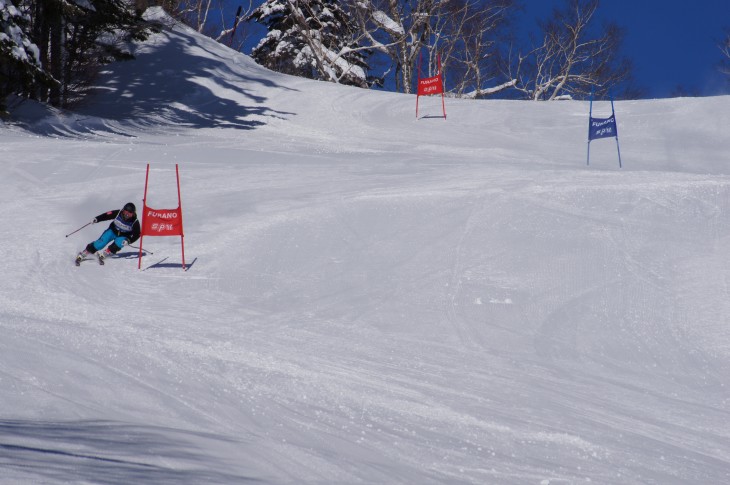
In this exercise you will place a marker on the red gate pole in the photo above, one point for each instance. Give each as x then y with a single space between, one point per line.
144 208
179 206
418 81
443 87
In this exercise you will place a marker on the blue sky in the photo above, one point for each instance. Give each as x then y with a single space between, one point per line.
672 43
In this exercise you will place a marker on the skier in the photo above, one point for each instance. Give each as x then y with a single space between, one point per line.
123 230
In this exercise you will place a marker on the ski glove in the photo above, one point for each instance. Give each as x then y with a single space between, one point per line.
125 242
94 221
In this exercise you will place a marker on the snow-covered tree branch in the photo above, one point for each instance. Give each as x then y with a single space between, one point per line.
399 29
311 38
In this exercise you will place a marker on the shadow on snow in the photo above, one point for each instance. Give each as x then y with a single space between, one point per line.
184 80
159 264
107 452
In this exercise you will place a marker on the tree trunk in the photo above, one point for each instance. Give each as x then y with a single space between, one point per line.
54 21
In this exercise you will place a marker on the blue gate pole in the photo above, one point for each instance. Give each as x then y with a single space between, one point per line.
588 158
590 115
618 149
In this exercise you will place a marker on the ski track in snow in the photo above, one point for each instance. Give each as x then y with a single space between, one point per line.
371 297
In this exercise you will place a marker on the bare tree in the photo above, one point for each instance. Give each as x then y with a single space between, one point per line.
209 17
571 60
725 49
236 27
467 34
462 32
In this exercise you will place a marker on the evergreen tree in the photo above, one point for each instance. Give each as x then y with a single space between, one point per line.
20 66
81 36
311 38
52 49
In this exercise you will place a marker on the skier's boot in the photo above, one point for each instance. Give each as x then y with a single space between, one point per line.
81 256
102 255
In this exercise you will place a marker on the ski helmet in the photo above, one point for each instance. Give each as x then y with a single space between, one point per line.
130 207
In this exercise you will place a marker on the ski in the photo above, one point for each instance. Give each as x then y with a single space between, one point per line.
80 259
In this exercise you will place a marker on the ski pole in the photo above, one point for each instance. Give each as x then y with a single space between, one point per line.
137 247
77 230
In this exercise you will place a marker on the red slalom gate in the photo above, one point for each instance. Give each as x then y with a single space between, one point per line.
162 222
431 85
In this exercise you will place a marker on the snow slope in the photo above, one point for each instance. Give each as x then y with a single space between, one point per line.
371 297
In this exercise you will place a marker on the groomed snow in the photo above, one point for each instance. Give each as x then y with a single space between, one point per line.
371 297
